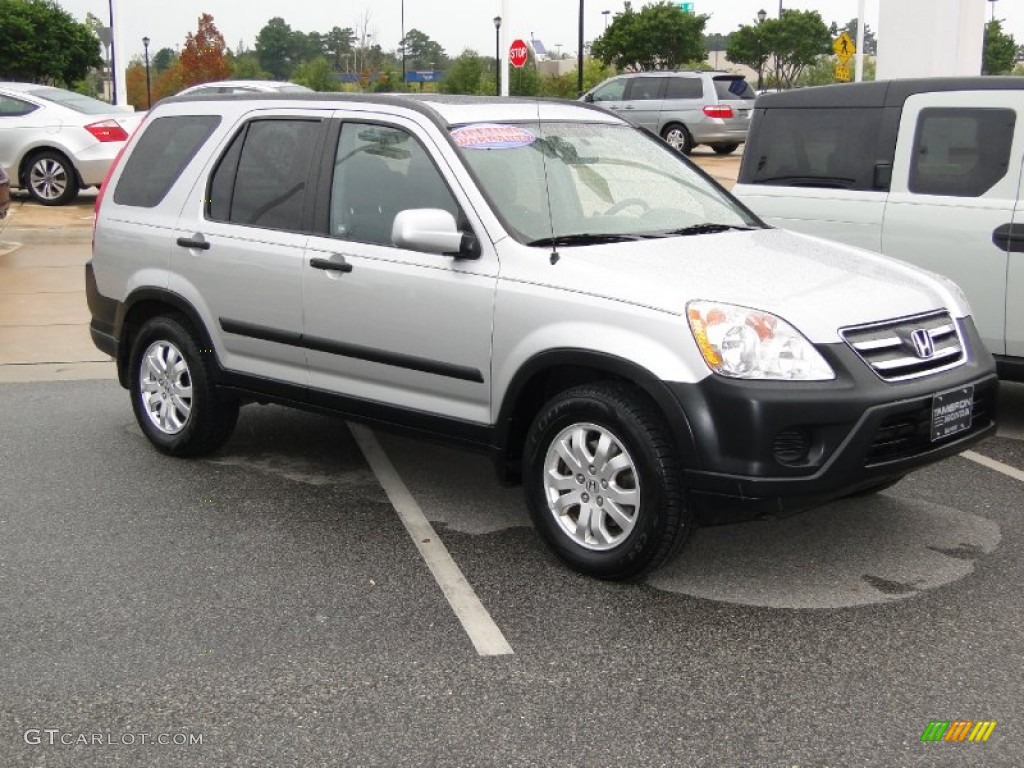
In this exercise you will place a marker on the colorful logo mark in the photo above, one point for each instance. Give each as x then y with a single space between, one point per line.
958 730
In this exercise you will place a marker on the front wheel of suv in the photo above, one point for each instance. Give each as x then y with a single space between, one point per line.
677 137
50 178
172 391
603 483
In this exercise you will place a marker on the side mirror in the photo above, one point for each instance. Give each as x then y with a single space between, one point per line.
433 230
588 97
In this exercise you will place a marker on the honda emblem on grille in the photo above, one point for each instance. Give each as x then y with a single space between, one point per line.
923 344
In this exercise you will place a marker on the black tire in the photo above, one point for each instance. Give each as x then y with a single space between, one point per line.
210 417
659 523
50 178
677 137
724 149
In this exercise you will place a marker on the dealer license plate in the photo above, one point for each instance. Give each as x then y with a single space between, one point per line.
951 412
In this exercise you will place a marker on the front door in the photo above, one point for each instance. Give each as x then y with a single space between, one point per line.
956 180
385 325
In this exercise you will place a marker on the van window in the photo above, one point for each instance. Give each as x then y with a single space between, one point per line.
961 152
646 88
261 179
685 88
164 149
831 148
733 88
613 91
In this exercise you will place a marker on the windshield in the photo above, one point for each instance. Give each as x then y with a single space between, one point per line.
578 183
75 101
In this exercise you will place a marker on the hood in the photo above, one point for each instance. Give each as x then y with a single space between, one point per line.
816 285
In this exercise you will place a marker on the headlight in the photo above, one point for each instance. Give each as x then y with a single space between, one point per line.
745 343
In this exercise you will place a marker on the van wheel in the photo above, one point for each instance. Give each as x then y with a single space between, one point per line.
724 149
677 137
50 178
172 393
603 483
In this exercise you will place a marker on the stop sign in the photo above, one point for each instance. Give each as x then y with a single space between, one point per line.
517 53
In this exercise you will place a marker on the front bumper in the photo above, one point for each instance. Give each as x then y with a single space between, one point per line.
773 448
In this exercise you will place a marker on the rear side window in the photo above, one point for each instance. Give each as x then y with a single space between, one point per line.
733 88
685 88
832 148
961 152
646 88
165 148
262 178
15 107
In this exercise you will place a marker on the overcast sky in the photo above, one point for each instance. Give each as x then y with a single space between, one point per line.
456 24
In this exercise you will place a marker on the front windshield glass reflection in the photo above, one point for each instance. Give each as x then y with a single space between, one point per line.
576 183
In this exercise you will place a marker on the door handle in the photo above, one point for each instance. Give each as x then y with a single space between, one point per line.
1009 237
197 241
331 266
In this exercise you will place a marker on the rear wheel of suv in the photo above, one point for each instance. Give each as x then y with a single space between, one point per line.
50 178
677 137
724 149
602 482
172 393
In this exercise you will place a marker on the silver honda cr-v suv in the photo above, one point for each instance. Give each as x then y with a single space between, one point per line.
537 280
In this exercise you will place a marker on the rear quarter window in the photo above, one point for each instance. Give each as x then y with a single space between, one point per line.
164 150
733 88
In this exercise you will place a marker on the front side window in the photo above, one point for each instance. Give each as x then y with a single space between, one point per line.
961 152
261 179
579 183
613 91
163 151
380 170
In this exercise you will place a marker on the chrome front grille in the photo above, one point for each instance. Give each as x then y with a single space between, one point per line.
909 347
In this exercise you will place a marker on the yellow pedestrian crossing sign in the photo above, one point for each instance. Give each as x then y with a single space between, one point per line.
844 47
842 73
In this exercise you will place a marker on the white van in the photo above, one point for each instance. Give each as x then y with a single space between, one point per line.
928 171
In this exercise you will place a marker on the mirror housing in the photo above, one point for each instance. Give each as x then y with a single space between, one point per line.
433 230
589 98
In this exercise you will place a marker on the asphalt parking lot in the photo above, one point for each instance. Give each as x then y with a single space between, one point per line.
290 600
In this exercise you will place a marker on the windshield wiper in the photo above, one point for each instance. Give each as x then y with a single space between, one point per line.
705 229
585 238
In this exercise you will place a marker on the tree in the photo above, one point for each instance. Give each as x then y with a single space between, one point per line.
1000 50
315 74
275 47
465 74
163 59
421 52
870 41
203 57
790 43
338 43
659 36
246 66
43 43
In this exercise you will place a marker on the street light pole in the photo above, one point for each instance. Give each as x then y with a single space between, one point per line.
497 55
761 16
606 14
579 56
113 56
403 46
149 92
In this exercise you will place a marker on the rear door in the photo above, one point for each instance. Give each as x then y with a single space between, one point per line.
956 182
684 101
242 241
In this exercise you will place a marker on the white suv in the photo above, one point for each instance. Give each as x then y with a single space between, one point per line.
537 280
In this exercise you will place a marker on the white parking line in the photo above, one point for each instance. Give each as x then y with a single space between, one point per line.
998 466
483 632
